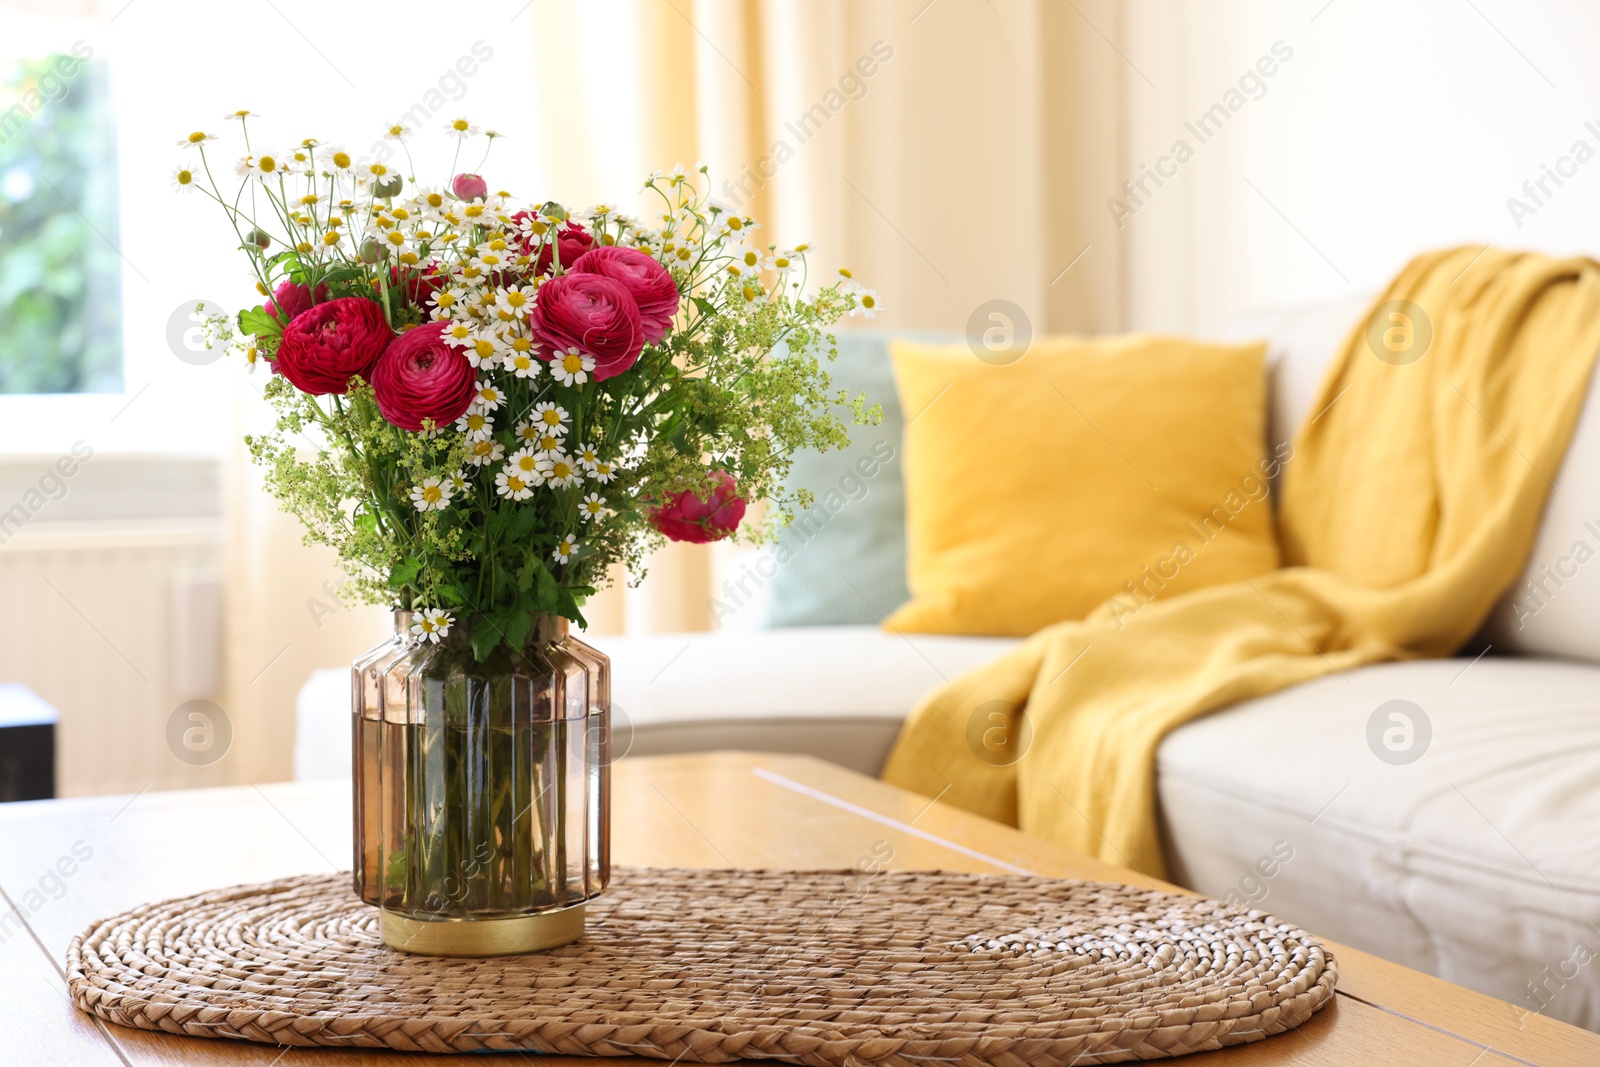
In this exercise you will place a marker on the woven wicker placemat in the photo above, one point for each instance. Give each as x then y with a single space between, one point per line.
814 967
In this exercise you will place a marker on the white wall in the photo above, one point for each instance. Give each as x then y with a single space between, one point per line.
1394 128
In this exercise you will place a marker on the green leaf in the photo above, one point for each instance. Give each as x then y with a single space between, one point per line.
404 573
484 638
546 589
523 519
258 323
707 308
518 623
528 573
567 606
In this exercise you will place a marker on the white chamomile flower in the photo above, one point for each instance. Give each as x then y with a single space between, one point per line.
490 262
431 202
396 132
550 418
524 462
337 158
560 469
446 301
482 453
509 483
520 359
476 425
196 139
572 368
564 551
786 261
603 472
734 225
239 116
489 396
681 249
866 303
483 351
494 306
394 239
533 226
747 263
548 442
460 334
263 166
372 172
183 180
431 624
593 506
589 458
529 432
457 481
461 128
432 495
518 299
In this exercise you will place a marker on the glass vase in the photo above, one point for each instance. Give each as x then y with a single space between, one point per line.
482 789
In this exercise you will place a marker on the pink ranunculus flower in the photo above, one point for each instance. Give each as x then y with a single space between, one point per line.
469 187
572 241
290 298
326 345
700 520
646 280
593 314
422 376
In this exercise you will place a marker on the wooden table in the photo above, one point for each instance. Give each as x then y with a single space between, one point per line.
716 810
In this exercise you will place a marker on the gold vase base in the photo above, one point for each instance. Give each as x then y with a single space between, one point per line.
481 937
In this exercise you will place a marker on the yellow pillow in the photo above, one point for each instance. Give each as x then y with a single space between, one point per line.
1129 467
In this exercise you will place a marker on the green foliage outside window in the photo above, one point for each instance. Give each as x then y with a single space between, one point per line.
60 320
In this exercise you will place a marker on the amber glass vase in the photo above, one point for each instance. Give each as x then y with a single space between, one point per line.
482 789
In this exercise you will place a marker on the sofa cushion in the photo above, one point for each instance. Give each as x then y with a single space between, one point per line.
1300 342
1038 487
843 560
835 692
1553 609
1471 854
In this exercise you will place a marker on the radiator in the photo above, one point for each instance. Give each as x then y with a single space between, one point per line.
118 625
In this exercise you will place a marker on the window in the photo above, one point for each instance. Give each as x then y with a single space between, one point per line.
60 318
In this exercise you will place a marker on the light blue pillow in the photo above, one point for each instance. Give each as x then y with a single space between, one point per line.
843 560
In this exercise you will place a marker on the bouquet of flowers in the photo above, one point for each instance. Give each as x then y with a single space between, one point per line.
484 404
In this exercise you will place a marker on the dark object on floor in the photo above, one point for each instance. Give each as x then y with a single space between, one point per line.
27 745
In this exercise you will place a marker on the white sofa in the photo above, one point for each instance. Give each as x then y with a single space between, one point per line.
1478 861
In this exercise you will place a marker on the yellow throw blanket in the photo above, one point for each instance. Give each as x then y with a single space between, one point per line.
1409 506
